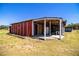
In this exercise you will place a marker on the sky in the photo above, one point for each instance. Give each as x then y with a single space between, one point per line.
16 12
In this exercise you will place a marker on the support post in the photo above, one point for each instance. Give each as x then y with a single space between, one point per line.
45 29
60 28
32 28
63 29
50 26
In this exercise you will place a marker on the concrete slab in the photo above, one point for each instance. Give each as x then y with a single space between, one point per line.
51 37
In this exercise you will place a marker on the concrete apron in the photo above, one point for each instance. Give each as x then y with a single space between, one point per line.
51 37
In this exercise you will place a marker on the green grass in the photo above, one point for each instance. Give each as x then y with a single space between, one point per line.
16 46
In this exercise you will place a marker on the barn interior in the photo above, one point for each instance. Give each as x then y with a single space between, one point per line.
52 27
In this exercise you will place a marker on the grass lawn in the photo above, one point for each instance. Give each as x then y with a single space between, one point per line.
16 46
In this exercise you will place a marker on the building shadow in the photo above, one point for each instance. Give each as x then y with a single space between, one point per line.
18 36
24 37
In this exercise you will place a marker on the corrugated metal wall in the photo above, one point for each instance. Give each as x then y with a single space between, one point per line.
23 28
29 28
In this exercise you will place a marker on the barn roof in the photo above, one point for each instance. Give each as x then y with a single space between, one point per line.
42 18
48 18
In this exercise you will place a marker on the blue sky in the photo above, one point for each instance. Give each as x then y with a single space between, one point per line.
10 13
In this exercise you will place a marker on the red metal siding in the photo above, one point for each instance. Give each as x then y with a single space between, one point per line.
13 29
17 29
30 28
26 28
23 28
20 29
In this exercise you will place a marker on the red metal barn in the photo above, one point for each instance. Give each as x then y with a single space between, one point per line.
22 28
46 26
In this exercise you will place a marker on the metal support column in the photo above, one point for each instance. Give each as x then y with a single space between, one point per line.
32 28
60 28
45 29
50 26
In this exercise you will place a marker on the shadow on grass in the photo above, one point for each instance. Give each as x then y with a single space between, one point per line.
18 36
23 37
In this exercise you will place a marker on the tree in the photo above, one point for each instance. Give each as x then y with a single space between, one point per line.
4 26
73 25
70 25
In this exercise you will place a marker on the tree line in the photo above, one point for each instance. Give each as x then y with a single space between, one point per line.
72 25
4 26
